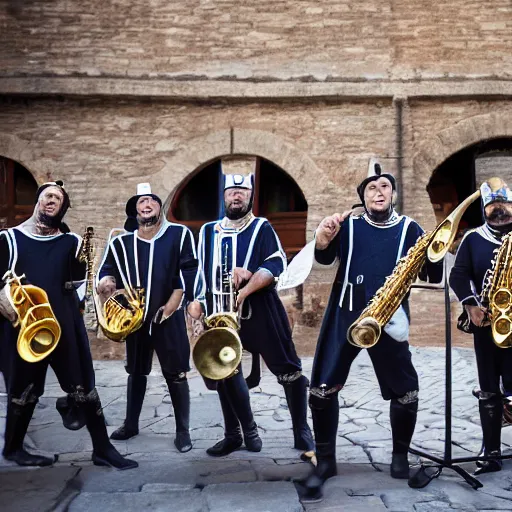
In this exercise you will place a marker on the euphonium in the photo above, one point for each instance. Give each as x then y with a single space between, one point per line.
497 295
123 312
39 329
218 351
366 330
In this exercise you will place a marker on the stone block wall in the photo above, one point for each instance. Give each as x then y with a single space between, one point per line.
228 39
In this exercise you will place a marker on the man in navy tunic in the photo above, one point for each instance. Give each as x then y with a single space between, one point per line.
48 255
469 272
248 248
159 257
367 247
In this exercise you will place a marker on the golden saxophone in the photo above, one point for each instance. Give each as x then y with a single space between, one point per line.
366 330
497 296
123 312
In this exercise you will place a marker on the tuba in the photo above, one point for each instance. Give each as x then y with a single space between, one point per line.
123 312
28 307
218 351
366 330
497 296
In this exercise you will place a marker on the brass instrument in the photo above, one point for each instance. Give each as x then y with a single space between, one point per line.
497 295
39 329
218 351
123 312
366 330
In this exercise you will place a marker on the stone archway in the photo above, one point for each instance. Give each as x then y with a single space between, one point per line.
22 151
436 150
319 191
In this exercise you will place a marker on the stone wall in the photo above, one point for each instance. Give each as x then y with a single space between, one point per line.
316 40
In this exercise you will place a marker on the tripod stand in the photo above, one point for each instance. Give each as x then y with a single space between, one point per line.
427 473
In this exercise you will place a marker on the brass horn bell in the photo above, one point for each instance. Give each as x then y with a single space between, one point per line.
218 350
39 329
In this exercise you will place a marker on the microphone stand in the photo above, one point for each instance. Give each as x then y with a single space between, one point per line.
428 472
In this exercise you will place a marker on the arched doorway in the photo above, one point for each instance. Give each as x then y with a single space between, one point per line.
17 192
277 197
463 172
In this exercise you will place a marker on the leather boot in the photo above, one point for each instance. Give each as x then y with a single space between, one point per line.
18 419
325 412
403 421
180 397
491 411
103 451
136 389
73 417
232 435
238 395
297 399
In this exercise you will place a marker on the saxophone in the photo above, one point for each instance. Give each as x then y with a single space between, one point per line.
366 330
496 294
123 312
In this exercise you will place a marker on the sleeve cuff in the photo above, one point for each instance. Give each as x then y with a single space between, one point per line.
469 301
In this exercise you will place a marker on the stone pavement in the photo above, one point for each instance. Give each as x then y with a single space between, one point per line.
259 482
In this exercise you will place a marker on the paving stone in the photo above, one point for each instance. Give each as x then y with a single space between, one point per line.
253 497
184 501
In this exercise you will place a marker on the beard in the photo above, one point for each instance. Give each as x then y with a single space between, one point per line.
147 222
49 221
237 212
500 219
380 216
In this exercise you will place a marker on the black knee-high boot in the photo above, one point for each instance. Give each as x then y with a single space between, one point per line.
297 399
18 419
403 421
232 434
180 397
136 389
325 412
103 451
491 411
238 394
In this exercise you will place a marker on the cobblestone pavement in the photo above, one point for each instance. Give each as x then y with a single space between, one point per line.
168 480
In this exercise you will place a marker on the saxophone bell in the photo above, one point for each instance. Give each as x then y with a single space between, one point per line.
444 234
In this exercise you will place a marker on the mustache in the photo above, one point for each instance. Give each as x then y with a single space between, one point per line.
499 214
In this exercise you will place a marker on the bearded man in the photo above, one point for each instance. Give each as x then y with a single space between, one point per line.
472 263
159 257
48 255
367 247
247 248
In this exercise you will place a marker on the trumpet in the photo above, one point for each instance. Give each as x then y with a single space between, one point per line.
218 351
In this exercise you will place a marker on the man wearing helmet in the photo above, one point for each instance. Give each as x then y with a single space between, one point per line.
368 246
47 254
248 247
472 263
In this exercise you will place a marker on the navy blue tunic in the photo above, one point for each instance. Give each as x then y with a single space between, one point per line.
49 262
161 265
367 254
265 328
467 279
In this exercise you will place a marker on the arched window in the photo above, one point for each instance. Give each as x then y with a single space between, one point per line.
463 172
276 197
17 192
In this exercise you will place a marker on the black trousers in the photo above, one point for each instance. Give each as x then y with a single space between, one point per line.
493 363
391 359
71 362
171 346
